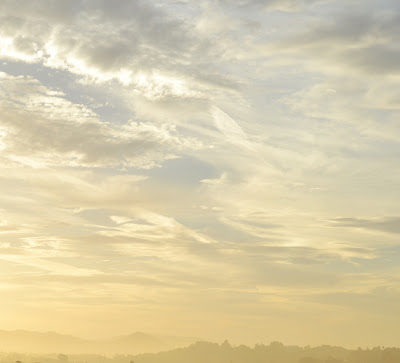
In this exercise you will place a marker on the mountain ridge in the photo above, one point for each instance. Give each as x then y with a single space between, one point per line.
52 342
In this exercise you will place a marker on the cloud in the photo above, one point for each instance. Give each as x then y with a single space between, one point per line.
382 301
230 128
61 133
50 266
358 40
131 41
386 224
374 59
281 5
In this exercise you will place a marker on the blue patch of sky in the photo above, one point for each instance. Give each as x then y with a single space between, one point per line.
183 171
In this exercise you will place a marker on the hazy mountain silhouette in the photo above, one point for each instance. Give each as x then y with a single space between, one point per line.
205 352
275 352
51 342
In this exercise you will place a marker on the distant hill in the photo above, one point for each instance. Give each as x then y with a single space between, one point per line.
275 352
147 343
51 342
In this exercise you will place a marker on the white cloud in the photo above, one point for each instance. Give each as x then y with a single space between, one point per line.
42 128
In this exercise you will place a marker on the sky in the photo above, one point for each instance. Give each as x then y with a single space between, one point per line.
209 168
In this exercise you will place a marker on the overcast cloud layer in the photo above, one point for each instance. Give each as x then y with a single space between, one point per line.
207 168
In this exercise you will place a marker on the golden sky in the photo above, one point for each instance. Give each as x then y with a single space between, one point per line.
211 168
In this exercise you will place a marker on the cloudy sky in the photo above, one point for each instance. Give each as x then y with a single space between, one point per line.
211 168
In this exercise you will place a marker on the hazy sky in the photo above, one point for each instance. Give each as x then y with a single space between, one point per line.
212 168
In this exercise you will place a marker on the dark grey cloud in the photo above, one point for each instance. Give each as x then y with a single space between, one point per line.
361 40
335 31
386 224
375 59
286 5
